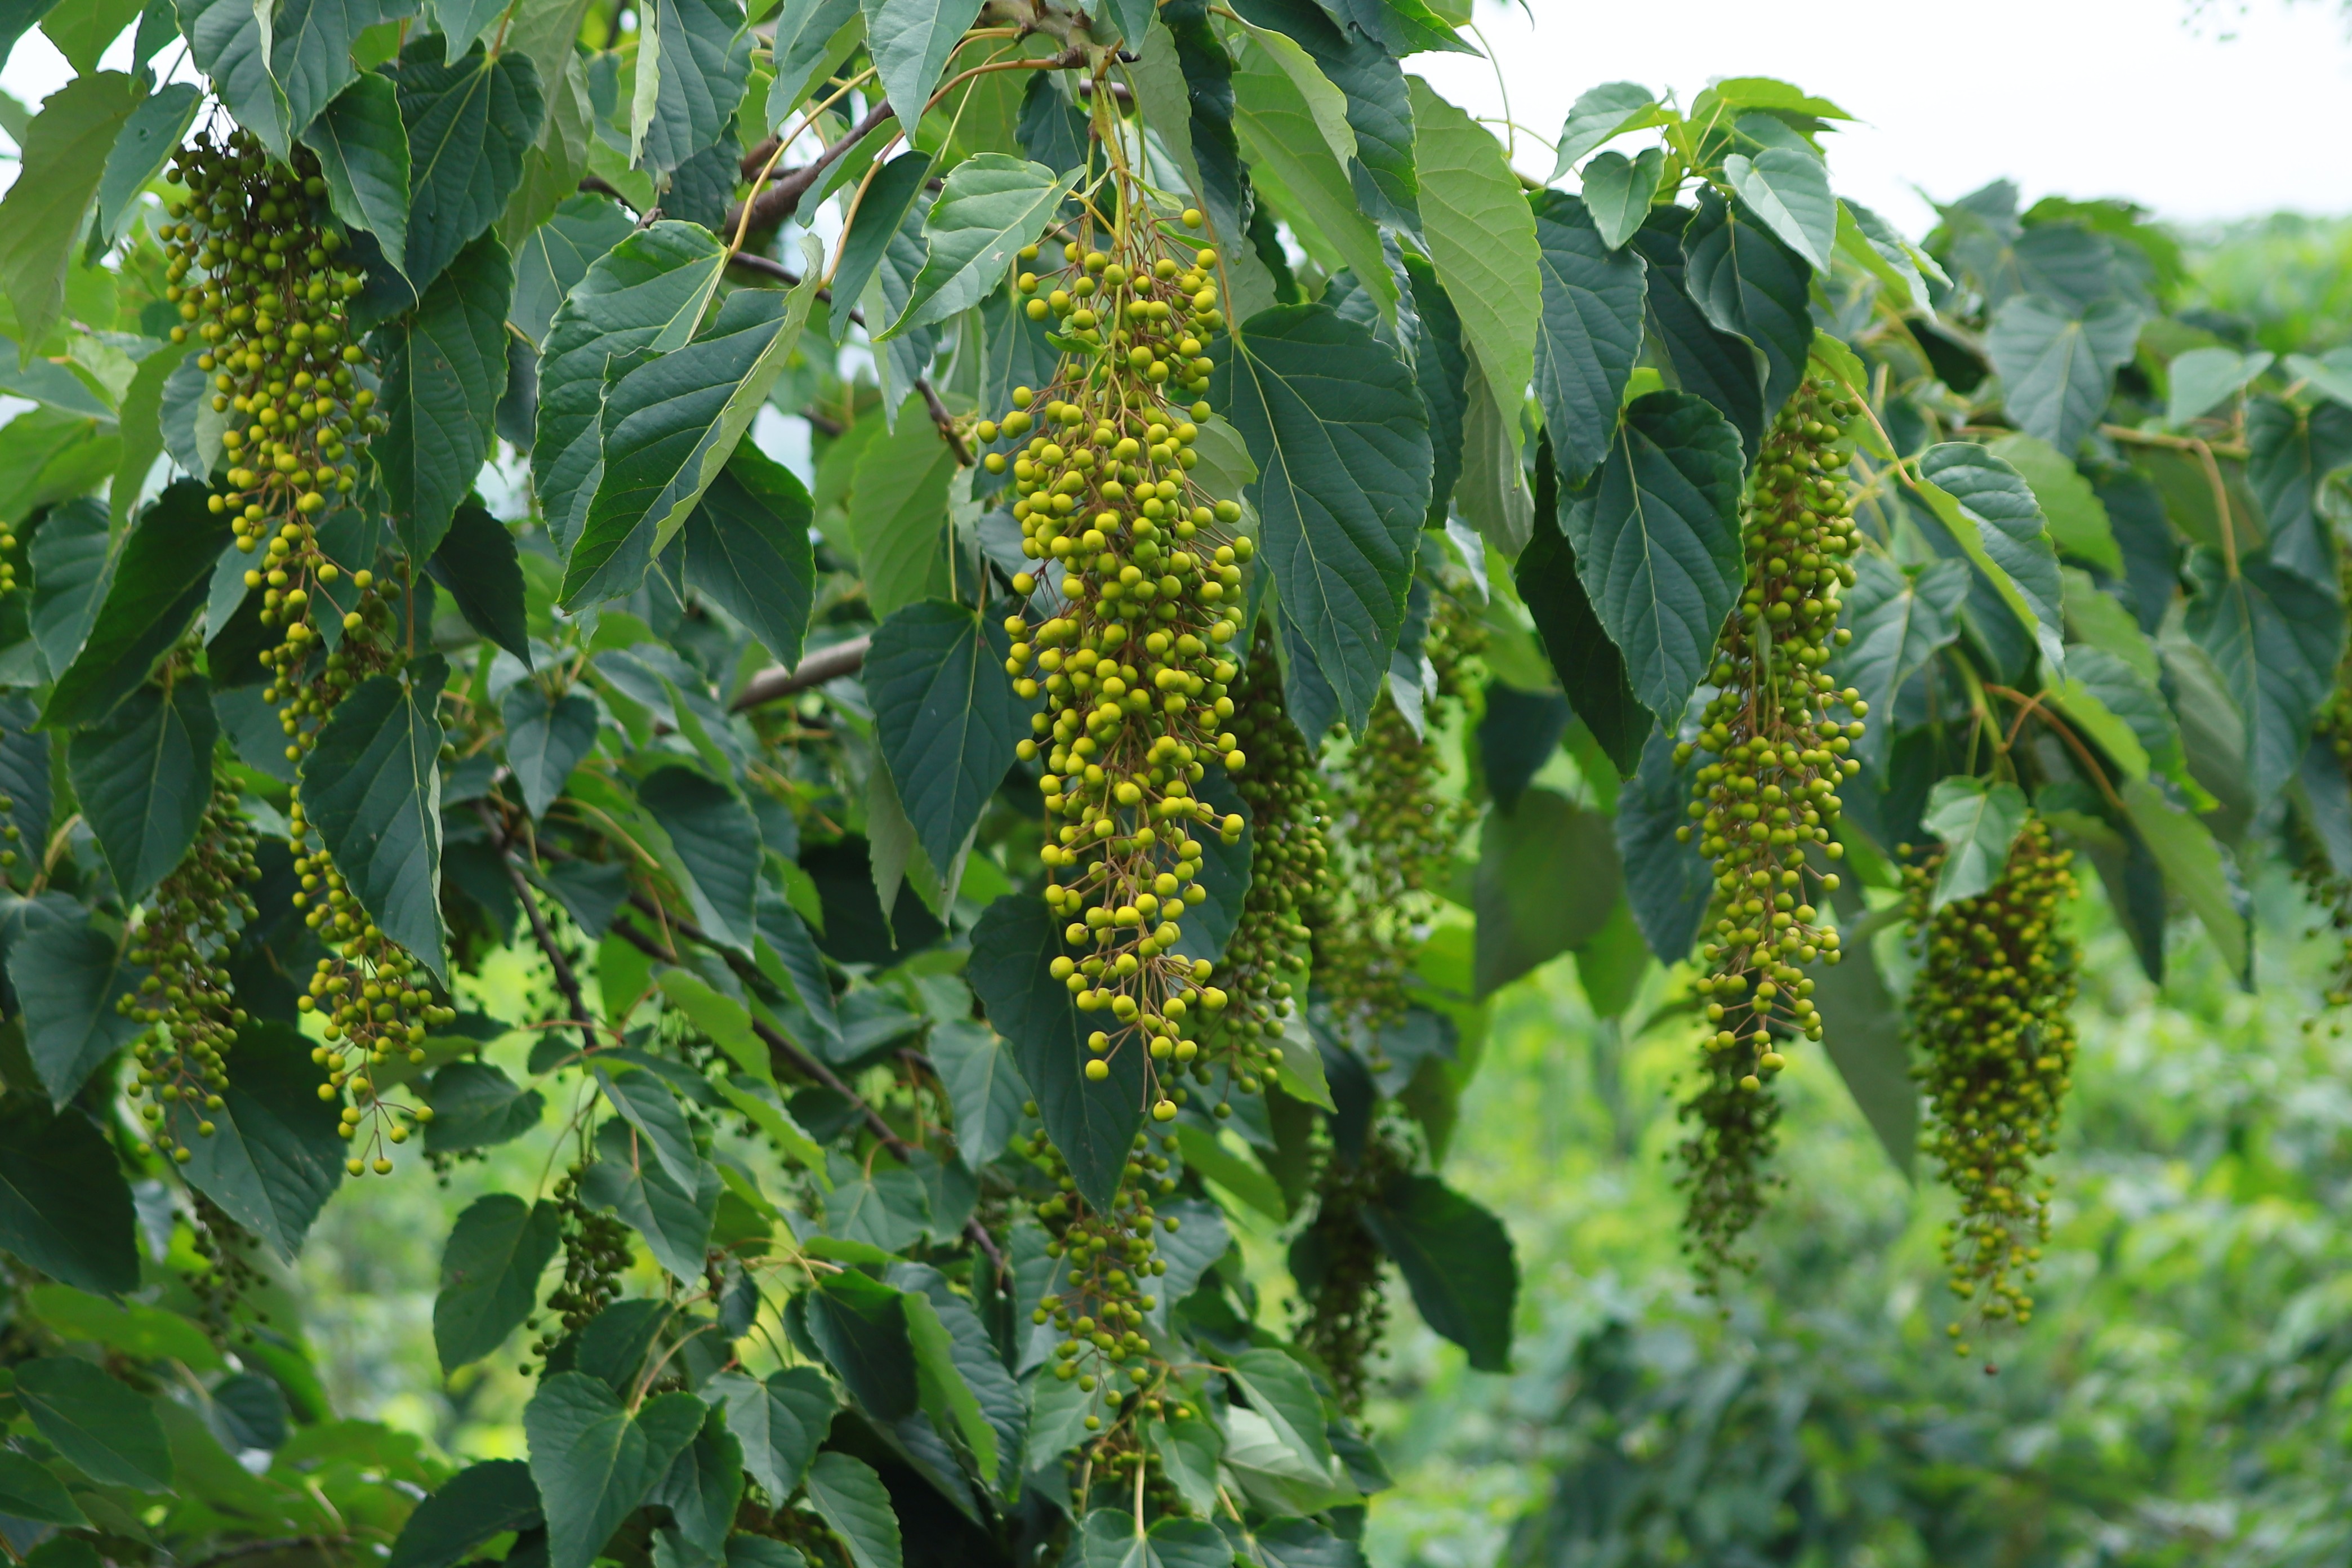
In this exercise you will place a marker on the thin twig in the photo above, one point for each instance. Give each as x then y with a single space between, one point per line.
773 206
565 980
2131 437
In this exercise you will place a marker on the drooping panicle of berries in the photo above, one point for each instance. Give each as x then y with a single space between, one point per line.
254 272
1102 1287
1343 1316
1765 807
1127 638
1394 832
2330 890
596 1252
1266 957
1995 1046
184 1001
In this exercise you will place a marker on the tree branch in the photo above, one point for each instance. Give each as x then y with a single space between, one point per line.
773 206
825 664
565 980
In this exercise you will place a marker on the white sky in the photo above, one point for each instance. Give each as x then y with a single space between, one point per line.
2239 113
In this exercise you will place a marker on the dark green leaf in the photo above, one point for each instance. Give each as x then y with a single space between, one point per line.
1380 110
1526 857
29 1491
1457 1261
95 1422
68 975
946 717
140 148
1109 1539
1657 542
65 1208
2194 867
705 55
1977 821
882 1204
881 213
983 1085
142 427
899 509
993 205
1302 1543
910 41
470 123
24 770
1224 875
311 53
1667 882
476 1106
676 1223
709 830
594 1462
17 18
161 578
64 155
144 778
489 1275
1050 131
251 1413
614 1344
554 257
275 1156
2290 456
371 787
647 1103
1440 371
748 551
668 424
229 41
648 292
1862 1027
2276 639
1999 524
479 1502
545 740
1899 622
1721 367
780 1422
1279 1389
2056 362
1341 444
1750 284
478 564
445 368
860 1324
1517 735
363 150
72 559
702 1492
1093 1124
1590 666
1589 333
845 1492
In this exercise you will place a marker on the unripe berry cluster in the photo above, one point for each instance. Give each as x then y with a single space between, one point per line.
1995 1052
190 1013
1344 1314
1395 833
1766 799
597 1250
2333 728
1141 597
1266 962
252 269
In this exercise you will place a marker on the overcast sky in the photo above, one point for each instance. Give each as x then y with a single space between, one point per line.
2241 112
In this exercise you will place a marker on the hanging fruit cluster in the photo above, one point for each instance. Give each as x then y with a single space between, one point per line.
1764 803
1343 1317
1132 662
1265 960
597 1250
1996 1049
1395 833
2331 892
190 1013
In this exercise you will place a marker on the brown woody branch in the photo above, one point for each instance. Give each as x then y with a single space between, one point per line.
565 980
825 664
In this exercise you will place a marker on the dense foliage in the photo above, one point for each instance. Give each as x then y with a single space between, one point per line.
950 901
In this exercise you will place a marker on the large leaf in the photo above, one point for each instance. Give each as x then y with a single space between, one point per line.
363 150
476 1106
897 508
1977 821
1600 114
669 423
445 370
144 778
371 787
714 837
910 41
2290 456
73 563
1590 669
648 292
310 51
596 1460
552 259
2193 867
1667 881
650 1106
2275 637
882 214
695 57
674 1222
1093 1124
63 157
30 1492
68 975
2056 362
1899 622
95 1422
984 1084
1280 1391
1589 332
480 1501
546 738
1719 366
142 426
470 123
1789 188
275 1156
1748 282
993 205
1991 514
1862 1031
1287 134
846 1493
139 149
1657 542
2077 519
1111 1538
65 1208
229 41
1482 237
477 566
161 577
1387 138
1457 1259
946 716
1341 444
748 551
1526 854
780 1422
489 1275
